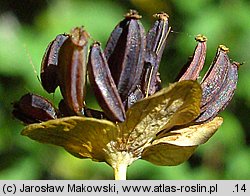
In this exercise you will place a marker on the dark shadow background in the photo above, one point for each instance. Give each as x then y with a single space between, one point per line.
27 26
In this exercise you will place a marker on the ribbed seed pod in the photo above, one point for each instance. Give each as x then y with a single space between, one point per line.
156 42
73 69
94 113
215 76
33 108
193 67
49 65
134 97
103 85
224 96
64 110
125 52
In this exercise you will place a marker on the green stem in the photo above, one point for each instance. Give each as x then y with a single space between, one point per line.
120 171
119 161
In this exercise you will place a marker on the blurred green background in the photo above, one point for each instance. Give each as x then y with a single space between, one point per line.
26 28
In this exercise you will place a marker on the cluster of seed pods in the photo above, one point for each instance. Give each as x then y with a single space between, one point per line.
121 74
219 83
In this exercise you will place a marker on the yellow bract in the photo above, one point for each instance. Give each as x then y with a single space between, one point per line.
177 146
83 137
178 104
145 133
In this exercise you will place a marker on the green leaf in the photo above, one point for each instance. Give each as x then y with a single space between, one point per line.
177 146
178 104
83 137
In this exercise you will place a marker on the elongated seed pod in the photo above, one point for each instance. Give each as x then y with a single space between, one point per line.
223 97
64 109
125 52
88 112
33 108
193 67
157 36
49 65
134 97
103 85
73 69
156 42
215 76
94 113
